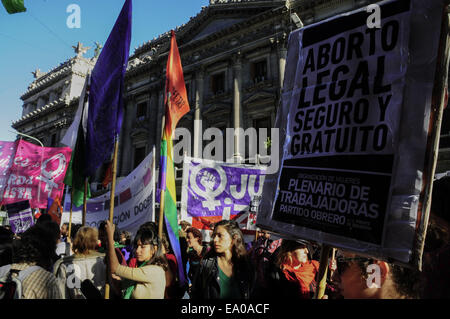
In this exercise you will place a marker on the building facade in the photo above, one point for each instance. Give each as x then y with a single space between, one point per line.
51 100
233 54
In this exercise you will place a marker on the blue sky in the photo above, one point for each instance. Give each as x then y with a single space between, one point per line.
40 38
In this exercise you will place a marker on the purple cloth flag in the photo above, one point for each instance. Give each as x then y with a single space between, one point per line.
105 99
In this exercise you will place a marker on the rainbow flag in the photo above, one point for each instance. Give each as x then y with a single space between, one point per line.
176 106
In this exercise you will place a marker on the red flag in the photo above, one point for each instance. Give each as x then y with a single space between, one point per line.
55 211
108 176
179 104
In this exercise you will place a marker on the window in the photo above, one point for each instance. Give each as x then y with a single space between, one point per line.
188 88
218 83
259 71
53 141
141 110
139 155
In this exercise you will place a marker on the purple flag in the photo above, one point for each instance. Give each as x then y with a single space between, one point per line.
105 99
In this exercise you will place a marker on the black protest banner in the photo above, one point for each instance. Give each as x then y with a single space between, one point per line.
356 124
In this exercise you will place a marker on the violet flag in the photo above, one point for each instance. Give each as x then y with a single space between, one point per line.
105 99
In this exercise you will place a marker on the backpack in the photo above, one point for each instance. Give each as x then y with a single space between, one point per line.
11 281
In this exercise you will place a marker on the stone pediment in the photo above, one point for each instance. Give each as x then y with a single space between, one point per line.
216 108
139 133
215 26
218 16
259 96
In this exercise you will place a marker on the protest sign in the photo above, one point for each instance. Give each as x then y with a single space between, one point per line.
20 216
214 190
36 174
133 202
356 110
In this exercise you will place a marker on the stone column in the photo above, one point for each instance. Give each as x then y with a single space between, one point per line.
282 53
153 108
197 114
237 110
161 118
124 159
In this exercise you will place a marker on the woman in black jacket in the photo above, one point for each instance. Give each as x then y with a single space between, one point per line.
225 272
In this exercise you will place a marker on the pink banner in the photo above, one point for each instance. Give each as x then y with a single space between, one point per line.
36 174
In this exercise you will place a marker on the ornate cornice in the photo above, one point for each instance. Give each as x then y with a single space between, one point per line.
55 75
152 52
46 109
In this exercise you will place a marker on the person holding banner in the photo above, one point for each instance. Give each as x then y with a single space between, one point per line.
359 277
148 280
436 264
86 263
225 272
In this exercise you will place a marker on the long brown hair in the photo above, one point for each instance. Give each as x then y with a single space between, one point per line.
238 251
85 240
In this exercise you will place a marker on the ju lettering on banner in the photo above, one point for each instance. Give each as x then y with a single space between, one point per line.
7 152
214 190
36 174
355 100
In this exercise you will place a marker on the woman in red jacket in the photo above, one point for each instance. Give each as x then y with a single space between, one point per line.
297 271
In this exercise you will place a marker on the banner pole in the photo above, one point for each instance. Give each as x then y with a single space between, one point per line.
161 214
438 104
322 276
70 215
153 184
333 257
163 191
111 203
85 201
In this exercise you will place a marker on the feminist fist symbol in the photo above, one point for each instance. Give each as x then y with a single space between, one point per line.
208 181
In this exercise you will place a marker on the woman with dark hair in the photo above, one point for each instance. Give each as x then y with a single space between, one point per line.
85 263
148 279
225 272
196 250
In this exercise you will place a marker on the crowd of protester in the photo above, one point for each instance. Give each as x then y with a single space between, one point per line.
74 261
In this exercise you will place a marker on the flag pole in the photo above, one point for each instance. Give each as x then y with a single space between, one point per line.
163 191
323 268
111 203
161 214
70 215
332 261
85 201
154 182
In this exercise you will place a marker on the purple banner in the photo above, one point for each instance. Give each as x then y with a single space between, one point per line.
21 221
213 188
